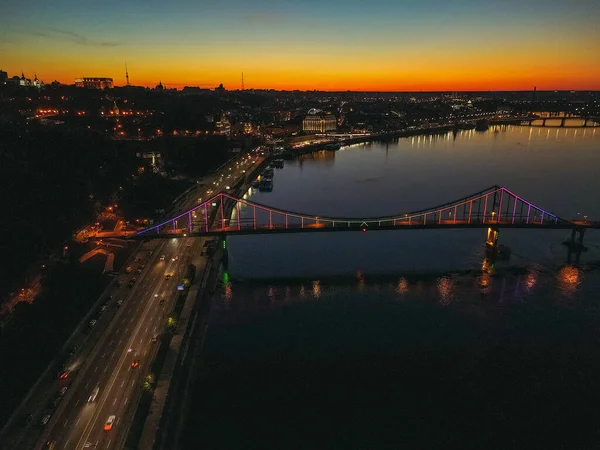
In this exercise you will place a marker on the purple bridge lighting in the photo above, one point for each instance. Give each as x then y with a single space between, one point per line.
223 214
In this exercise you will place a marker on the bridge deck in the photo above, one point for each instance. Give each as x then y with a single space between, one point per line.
322 228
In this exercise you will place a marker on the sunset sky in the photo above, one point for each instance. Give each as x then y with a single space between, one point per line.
391 45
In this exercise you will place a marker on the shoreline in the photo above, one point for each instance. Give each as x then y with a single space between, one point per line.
395 135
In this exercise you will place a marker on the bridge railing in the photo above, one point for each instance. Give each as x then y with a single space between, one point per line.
246 224
495 205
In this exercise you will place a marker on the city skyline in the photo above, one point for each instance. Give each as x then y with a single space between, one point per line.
432 46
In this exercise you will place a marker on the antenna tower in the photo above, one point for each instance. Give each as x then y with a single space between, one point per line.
242 81
126 74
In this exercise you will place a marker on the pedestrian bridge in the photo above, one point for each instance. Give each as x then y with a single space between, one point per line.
495 207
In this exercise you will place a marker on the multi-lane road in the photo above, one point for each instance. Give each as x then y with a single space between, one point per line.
127 331
121 359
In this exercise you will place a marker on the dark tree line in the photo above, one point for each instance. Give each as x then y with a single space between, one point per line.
51 180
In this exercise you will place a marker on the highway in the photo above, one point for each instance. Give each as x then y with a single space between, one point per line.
128 339
105 359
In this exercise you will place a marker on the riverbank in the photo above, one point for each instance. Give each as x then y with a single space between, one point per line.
399 134
375 137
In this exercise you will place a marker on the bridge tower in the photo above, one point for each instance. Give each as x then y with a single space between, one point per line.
496 206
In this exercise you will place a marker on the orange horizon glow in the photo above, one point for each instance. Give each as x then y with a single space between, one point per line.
516 72
374 46
559 82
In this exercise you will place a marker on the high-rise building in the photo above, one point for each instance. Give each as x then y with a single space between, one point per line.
94 83
319 123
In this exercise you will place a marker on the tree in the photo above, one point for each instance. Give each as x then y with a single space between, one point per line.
171 324
149 382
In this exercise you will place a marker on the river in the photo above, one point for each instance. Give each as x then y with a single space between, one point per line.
405 338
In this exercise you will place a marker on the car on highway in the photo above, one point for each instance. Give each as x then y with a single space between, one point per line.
103 308
135 363
138 259
119 282
109 423
162 257
175 258
168 276
139 271
63 391
64 375
162 301
155 338
92 323
119 303
49 445
94 394
132 282
45 419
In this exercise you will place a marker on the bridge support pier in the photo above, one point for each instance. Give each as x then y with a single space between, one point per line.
491 243
575 244
493 250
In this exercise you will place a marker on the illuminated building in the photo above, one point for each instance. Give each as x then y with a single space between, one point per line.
24 81
3 77
94 83
320 123
36 82
223 126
